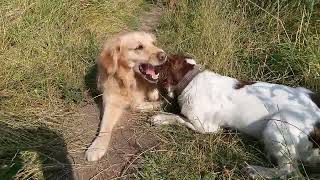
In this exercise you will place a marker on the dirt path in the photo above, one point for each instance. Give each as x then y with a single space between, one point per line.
128 138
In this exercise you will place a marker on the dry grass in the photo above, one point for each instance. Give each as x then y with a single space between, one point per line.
46 50
246 39
184 154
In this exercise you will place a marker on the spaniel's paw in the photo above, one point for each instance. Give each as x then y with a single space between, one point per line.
250 172
259 172
163 119
147 106
157 119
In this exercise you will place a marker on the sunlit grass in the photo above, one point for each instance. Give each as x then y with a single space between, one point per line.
273 41
46 49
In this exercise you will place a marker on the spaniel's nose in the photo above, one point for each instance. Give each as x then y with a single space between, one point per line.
161 56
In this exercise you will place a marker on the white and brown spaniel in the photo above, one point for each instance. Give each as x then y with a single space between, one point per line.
286 119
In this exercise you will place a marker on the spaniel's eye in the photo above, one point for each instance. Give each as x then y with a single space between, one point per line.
140 47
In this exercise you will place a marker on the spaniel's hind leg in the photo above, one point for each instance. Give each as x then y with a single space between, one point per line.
280 146
286 166
256 172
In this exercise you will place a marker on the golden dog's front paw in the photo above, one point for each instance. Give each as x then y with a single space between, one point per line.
94 154
97 150
153 95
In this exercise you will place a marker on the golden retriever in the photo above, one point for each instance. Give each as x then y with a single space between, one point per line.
126 78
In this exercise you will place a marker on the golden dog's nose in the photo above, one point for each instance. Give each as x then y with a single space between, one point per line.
161 56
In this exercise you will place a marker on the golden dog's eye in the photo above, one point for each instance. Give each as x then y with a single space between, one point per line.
140 47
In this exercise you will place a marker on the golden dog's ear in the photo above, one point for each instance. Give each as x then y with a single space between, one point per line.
153 36
109 58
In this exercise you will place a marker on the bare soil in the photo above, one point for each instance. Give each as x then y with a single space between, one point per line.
129 139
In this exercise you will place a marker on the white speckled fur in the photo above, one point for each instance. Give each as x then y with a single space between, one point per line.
280 116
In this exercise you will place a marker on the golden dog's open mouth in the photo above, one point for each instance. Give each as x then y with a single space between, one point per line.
148 72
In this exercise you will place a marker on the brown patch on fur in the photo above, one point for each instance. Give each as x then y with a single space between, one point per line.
314 136
315 98
173 70
240 84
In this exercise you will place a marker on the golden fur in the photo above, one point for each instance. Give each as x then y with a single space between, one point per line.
120 85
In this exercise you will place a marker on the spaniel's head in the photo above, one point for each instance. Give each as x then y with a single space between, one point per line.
172 71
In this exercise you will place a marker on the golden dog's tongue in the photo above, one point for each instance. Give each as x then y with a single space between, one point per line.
150 70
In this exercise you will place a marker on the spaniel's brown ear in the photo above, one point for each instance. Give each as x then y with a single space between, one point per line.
108 59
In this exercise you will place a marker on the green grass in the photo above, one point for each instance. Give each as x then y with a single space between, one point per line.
264 41
184 154
46 49
274 41
47 46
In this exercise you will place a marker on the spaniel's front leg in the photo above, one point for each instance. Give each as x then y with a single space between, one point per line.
168 118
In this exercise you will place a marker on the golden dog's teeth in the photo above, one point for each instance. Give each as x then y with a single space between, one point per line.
156 76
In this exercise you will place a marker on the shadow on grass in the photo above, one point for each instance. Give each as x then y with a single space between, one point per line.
91 84
19 144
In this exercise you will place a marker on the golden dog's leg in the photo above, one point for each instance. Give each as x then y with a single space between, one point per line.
113 110
138 102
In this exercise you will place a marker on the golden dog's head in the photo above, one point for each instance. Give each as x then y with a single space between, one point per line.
128 51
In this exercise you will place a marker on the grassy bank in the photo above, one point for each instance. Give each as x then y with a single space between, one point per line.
46 50
274 41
